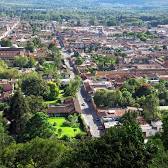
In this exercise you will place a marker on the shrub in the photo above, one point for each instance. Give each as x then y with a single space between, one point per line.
79 136
2 106
75 125
75 130
66 124
59 132
65 138
55 124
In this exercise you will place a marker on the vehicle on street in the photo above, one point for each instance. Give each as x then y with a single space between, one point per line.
97 119
100 128
83 104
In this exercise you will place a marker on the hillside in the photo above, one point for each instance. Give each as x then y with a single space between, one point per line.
84 3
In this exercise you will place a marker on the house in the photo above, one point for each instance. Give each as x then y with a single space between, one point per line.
147 130
91 86
7 88
152 128
113 113
9 53
69 106
157 125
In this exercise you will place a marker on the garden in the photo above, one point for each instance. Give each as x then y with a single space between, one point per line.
67 126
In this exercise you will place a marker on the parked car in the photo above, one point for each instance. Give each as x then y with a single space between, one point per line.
100 128
97 119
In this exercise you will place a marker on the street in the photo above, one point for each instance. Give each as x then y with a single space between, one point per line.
5 34
89 115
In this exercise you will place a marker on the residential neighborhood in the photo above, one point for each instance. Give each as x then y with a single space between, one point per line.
104 58
83 86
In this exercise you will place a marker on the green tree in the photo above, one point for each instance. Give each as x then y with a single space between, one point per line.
10 73
119 147
3 65
9 156
18 113
127 99
79 60
6 72
143 90
128 117
36 104
111 22
38 126
55 55
73 87
30 46
50 70
100 98
5 139
33 84
55 92
161 157
6 43
21 61
150 106
165 132
131 85
38 153
37 42
52 47
31 62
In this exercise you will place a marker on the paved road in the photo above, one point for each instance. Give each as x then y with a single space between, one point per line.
9 31
88 113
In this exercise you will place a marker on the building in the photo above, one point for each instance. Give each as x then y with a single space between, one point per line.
7 88
152 128
9 53
69 106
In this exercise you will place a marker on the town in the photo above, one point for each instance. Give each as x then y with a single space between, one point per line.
105 58
77 83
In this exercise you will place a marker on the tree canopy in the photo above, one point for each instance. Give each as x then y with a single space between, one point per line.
33 84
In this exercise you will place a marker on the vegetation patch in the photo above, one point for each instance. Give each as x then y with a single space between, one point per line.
69 127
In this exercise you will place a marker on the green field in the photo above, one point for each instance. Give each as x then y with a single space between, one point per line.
68 131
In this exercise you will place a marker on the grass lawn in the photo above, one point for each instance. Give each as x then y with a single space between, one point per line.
51 102
68 131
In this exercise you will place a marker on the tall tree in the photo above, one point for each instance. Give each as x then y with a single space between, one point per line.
161 157
165 132
38 153
6 43
5 139
55 92
36 104
73 87
120 147
38 126
21 61
150 106
100 97
18 113
33 84
30 46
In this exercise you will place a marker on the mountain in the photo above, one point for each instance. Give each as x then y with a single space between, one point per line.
85 3
156 3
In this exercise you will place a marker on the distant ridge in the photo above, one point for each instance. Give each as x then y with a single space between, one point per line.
84 3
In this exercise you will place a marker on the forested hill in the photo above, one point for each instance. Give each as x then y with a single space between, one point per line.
135 2
84 3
